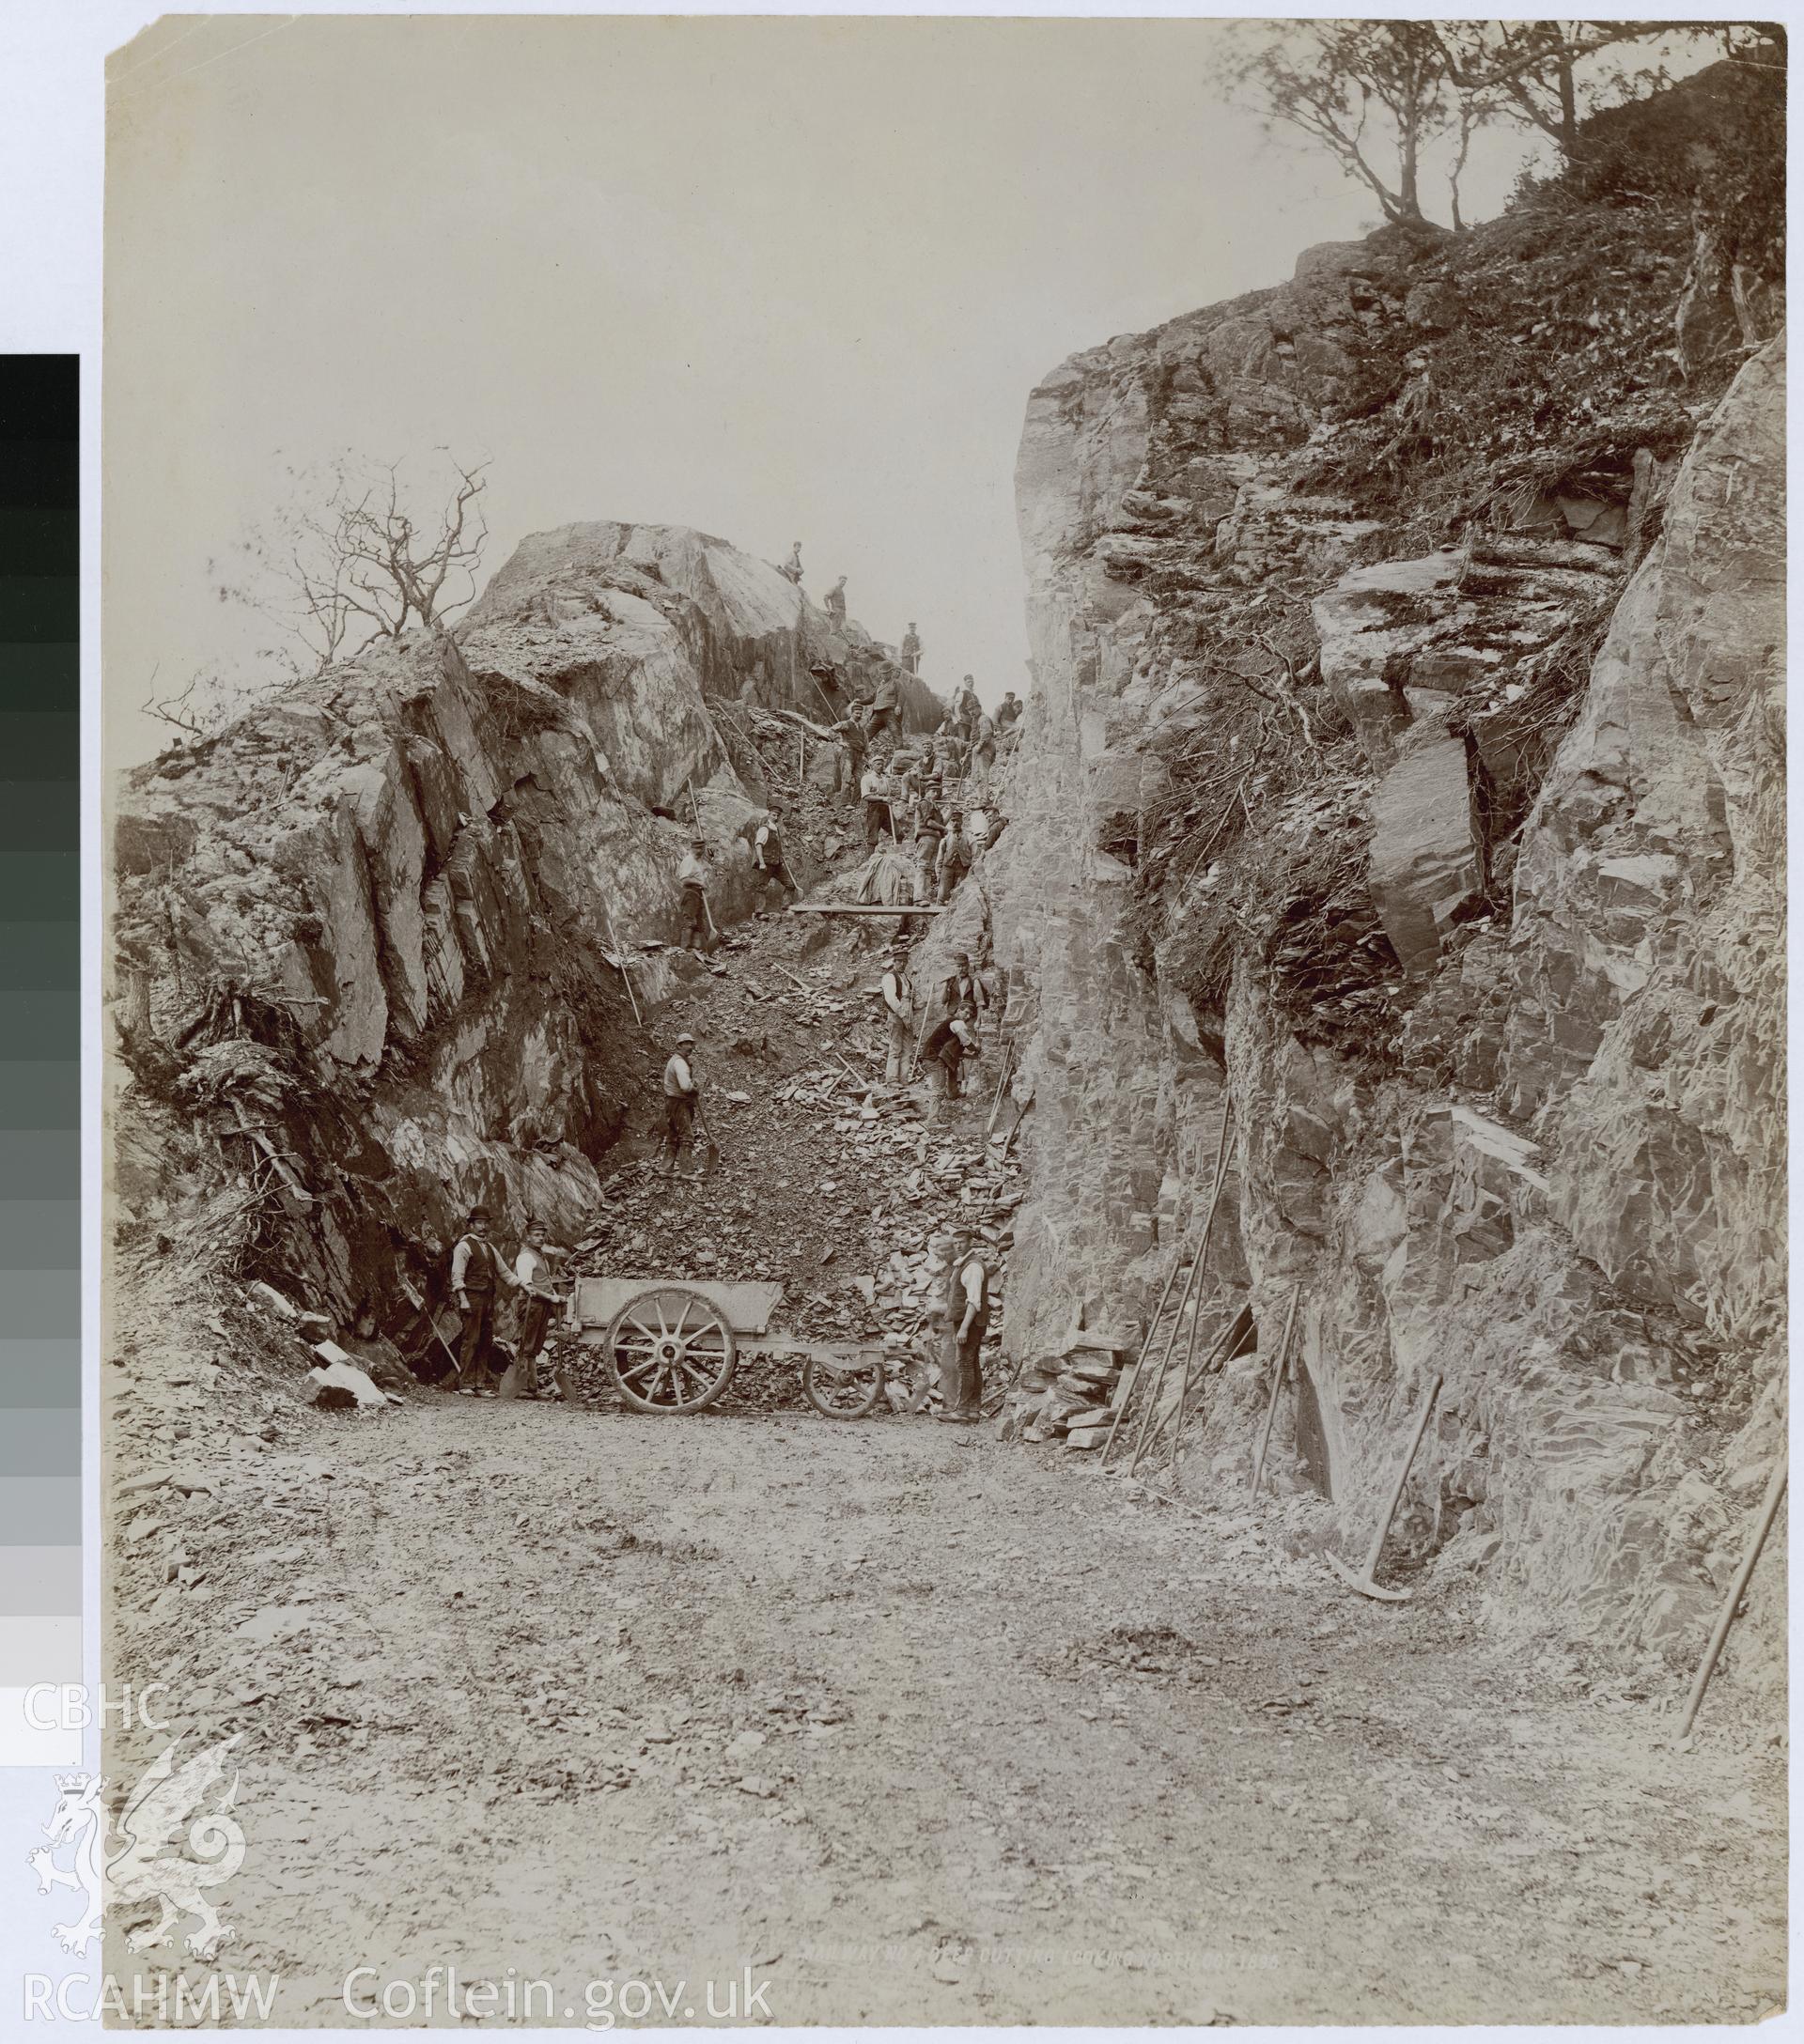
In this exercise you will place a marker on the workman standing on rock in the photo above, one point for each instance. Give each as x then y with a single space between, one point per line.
681 1097
1009 715
966 710
912 781
851 734
791 568
966 1311
693 874
477 1272
927 835
833 603
954 860
767 852
884 698
898 1006
983 751
912 649
877 810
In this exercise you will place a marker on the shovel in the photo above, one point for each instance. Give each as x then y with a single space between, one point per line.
1362 1581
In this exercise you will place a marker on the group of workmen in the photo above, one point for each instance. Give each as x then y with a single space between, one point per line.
918 804
943 1035
833 603
935 1023
694 918
480 1275
917 807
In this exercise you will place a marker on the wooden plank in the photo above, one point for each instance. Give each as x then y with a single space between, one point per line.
866 909
746 1306
782 1347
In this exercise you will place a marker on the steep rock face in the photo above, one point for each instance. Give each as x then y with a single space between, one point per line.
614 616
400 881
1491 990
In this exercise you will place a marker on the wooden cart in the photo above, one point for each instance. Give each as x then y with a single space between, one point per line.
671 1345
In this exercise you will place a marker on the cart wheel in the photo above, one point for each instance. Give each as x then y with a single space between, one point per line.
670 1351
843 1390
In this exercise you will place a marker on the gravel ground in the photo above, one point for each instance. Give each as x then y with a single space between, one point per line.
919 1728
883 1723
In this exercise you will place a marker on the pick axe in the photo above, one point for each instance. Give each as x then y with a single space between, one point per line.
1364 1581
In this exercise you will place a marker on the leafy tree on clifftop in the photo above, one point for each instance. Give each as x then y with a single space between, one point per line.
1377 95
1373 94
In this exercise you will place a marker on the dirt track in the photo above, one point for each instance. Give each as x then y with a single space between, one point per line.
920 1729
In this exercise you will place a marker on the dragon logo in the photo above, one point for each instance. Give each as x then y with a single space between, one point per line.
169 1806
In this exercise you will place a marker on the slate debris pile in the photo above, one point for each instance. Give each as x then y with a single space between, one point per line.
831 1183
1071 1394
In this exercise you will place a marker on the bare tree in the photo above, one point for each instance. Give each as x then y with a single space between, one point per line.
349 561
1373 93
205 706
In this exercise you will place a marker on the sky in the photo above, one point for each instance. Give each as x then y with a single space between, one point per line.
773 278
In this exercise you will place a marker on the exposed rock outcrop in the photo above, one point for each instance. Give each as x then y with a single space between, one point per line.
401 881
1453 875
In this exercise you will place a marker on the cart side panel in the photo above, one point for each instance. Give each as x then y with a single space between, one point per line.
746 1308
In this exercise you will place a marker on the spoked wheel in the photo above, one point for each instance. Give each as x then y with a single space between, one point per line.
844 1388
670 1351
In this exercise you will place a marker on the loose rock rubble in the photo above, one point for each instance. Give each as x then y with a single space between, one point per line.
830 1180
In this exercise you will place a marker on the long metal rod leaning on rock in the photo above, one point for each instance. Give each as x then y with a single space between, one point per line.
1155 1376
620 957
1149 1425
1737 1589
1365 1582
1184 1384
1002 1087
1277 1385
1131 1374
1229 1342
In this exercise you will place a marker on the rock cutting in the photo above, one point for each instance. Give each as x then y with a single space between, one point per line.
977 1321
